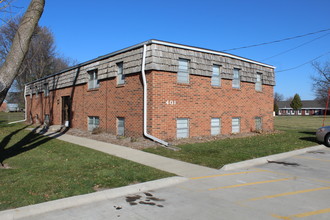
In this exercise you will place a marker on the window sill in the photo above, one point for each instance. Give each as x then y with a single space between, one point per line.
216 87
120 85
93 89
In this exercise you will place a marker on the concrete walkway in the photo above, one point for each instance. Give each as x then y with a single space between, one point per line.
177 167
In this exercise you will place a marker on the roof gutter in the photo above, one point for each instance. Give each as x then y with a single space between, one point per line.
145 101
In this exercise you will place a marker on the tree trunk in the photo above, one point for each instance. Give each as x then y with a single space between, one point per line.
10 69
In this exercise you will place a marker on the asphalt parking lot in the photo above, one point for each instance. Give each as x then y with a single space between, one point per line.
295 188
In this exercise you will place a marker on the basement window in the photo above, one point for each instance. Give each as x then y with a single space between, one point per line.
216 80
182 127
183 73
120 126
93 81
259 82
235 125
120 74
236 79
258 123
93 122
215 126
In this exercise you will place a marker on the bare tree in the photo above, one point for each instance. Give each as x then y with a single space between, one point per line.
321 81
20 45
278 97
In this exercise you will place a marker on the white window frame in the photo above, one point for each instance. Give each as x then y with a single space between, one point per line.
120 73
93 122
258 122
93 82
183 73
216 77
258 84
299 112
182 128
120 126
236 78
306 111
236 125
215 126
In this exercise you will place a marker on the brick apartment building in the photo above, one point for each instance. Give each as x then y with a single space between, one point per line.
160 90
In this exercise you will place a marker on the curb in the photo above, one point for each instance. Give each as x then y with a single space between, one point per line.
264 160
73 201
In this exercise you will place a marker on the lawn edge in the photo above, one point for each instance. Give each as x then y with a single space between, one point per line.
74 201
265 159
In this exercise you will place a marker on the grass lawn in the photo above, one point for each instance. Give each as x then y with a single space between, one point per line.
44 169
296 132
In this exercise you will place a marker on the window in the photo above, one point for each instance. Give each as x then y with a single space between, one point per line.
121 126
93 122
182 127
259 82
216 80
235 125
215 126
183 74
258 123
46 90
306 112
93 82
47 119
120 73
37 91
236 79
299 112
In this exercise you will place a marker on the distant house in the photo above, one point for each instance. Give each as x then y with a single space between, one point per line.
309 107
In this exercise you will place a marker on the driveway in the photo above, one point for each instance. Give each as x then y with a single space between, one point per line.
295 188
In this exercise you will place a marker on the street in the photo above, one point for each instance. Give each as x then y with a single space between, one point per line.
294 188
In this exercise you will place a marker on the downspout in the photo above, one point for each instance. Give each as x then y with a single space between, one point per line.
145 101
14 122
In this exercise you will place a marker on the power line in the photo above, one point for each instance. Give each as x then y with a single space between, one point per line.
303 63
296 47
277 41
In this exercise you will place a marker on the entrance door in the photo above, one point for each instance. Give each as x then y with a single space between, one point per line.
65 109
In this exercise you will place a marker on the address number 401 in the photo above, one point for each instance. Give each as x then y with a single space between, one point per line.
170 102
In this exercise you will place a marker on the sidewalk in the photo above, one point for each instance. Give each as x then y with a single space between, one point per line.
177 167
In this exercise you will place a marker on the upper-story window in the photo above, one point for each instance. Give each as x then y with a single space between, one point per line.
120 73
216 79
46 90
236 78
259 82
183 73
37 91
93 81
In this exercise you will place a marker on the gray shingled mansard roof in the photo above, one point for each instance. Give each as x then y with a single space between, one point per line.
161 56
306 104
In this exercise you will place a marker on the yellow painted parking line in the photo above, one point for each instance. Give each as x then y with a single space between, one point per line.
227 174
249 184
302 215
296 177
311 158
288 193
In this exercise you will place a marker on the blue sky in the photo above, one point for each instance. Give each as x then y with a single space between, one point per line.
84 30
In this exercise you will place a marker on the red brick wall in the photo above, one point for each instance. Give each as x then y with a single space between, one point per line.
3 107
107 102
199 102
